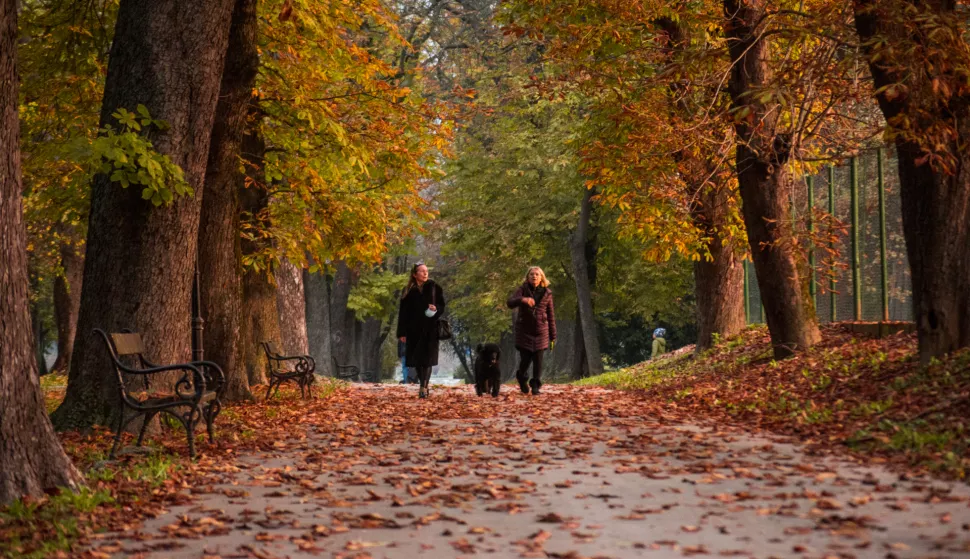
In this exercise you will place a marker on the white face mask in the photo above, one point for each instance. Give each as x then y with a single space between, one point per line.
428 313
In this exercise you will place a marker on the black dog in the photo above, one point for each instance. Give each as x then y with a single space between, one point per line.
488 375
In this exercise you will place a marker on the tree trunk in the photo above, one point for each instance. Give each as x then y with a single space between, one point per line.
342 320
762 157
261 322
718 282
38 334
31 457
317 296
140 259
509 360
462 355
580 366
370 340
67 302
934 107
220 251
291 306
560 359
581 261
261 319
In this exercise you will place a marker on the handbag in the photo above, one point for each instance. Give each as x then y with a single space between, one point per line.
442 326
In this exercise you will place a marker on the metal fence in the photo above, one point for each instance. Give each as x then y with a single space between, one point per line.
862 272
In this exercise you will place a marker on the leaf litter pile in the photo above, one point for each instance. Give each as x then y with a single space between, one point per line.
869 396
371 471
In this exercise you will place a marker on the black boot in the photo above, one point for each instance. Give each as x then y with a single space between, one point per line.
535 384
523 382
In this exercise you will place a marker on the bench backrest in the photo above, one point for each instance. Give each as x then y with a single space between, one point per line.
270 348
128 343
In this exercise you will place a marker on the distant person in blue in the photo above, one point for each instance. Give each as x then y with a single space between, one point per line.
659 343
405 372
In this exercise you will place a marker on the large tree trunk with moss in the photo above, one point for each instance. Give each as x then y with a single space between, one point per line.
220 251
584 276
31 457
67 302
718 281
291 306
139 258
317 296
763 177
930 105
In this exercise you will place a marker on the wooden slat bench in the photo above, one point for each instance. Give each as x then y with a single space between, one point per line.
196 396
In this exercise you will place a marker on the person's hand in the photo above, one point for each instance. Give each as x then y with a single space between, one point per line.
403 339
529 301
432 308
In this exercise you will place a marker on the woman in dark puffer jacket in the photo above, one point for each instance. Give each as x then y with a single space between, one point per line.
535 326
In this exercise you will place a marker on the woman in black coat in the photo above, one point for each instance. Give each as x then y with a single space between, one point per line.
422 303
535 326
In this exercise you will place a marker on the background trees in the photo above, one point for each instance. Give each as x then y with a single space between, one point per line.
919 57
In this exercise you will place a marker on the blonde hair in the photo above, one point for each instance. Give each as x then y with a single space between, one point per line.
543 281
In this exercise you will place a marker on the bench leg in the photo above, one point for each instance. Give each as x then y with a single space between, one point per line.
121 426
190 420
212 409
144 427
269 387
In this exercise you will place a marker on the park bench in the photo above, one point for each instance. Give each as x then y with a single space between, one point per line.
196 394
301 371
346 372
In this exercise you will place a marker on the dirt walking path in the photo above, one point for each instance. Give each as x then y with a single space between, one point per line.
575 472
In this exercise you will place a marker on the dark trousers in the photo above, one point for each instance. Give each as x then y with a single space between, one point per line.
424 375
526 358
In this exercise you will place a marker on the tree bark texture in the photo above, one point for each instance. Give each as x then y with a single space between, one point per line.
317 296
580 366
67 302
32 460
718 282
936 203
560 358
261 320
509 361
139 259
38 333
342 320
371 338
291 305
761 160
581 261
220 250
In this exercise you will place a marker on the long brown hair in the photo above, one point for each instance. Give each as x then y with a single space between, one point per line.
412 282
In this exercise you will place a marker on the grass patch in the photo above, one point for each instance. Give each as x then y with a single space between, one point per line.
59 518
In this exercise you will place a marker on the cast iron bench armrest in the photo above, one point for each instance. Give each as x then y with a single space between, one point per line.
193 395
302 372
219 380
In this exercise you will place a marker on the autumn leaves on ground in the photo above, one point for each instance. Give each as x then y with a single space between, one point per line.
664 468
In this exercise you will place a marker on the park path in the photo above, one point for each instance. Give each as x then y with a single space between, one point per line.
574 472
